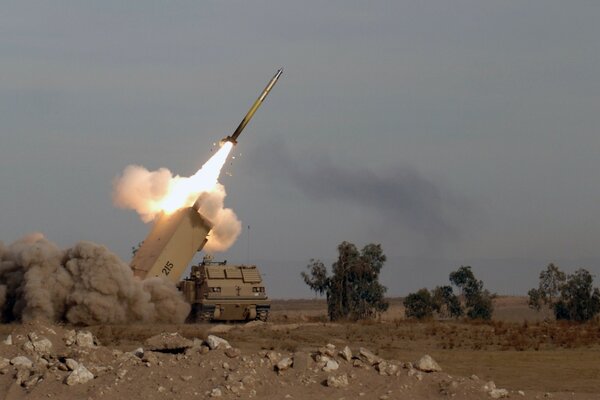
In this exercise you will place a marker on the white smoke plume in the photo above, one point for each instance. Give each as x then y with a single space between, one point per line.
142 190
85 284
226 227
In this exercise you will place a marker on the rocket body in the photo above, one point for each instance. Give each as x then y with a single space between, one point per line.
255 106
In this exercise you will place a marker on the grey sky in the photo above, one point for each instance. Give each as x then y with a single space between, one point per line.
477 120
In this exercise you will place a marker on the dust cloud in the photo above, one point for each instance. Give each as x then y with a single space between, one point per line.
85 284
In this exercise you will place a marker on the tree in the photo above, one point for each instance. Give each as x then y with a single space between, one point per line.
419 305
446 303
579 300
353 290
571 297
551 281
478 301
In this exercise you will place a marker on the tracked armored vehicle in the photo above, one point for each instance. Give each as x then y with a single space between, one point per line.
221 292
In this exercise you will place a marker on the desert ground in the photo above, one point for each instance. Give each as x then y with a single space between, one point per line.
299 355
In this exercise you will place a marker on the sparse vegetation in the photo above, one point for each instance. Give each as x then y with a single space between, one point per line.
353 291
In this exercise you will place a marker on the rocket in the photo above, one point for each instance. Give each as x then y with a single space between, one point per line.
233 138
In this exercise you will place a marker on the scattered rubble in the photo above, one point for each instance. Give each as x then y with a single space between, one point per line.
210 367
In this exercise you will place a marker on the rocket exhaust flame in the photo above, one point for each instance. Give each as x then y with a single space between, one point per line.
151 193
183 192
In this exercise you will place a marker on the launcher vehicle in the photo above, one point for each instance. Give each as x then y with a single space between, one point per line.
216 291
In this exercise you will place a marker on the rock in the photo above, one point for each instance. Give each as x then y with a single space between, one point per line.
498 393
381 367
337 381
84 339
386 368
301 361
232 352
80 375
22 376
31 382
215 342
42 346
331 365
168 342
254 324
221 328
249 380
392 369
8 341
346 353
489 386
37 345
359 364
448 387
70 337
71 364
521 393
150 357
4 363
21 362
284 364
139 352
368 357
328 350
427 364
216 392
273 357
